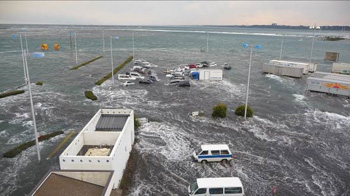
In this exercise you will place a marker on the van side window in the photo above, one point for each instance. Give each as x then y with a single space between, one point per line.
201 191
233 190
225 152
215 152
216 191
204 152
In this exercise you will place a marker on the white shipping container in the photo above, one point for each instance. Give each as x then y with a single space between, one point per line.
280 70
210 74
342 68
329 83
308 67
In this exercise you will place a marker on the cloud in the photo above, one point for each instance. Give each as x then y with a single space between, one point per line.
175 12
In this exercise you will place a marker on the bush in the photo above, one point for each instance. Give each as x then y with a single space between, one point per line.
90 95
219 111
16 92
137 123
241 109
40 83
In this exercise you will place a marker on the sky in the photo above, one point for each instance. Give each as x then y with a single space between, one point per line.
176 12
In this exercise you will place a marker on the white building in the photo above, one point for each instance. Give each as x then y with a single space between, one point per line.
103 144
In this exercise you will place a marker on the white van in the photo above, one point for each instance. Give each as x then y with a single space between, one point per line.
226 186
213 152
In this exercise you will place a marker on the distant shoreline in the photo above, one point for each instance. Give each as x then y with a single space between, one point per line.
331 27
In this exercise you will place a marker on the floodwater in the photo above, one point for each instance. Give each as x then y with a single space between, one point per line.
297 141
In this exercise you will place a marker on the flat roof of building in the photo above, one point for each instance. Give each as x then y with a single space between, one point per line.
111 122
63 183
219 182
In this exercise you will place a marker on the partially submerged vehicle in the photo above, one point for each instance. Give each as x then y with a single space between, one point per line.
146 81
174 82
213 153
184 84
125 77
227 66
136 75
230 186
154 78
128 83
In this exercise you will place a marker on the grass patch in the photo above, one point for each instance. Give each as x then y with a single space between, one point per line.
15 92
40 83
15 151
125 183
219 111
87 62
114 71
241 109
90 95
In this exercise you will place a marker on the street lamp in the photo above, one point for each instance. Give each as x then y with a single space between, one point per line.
116 37
251 46
76 50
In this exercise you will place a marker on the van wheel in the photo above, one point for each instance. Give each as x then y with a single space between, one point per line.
204 161
224 160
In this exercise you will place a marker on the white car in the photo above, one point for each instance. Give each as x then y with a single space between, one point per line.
125 77
136 75
128 83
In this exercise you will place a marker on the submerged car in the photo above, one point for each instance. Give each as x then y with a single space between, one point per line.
128 83
146 81
184 84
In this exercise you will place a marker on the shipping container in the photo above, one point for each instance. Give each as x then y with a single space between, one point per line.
308 67
329 83
210 74
283 70
342 68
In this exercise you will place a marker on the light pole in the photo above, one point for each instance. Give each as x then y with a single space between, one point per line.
76 50
103 40
250 65
312 44
133 47
281 47
116 37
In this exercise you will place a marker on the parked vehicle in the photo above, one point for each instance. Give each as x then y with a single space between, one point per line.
136 75
139 69
212 64
184 84
228 186
193 66
212 153
153 78
174 82
227 66
146 81
125 77
128 83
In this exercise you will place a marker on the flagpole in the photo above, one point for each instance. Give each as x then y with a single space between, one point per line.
246 99
32 108
112 59
76 51
25 38
133 47
281 48
103 40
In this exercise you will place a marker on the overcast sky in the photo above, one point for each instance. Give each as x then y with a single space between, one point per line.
175 12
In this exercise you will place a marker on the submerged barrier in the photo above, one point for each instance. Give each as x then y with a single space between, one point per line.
83 64
15 151
15 92
114 71
90 95
60 145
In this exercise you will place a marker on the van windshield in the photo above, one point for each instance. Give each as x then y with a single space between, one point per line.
193 187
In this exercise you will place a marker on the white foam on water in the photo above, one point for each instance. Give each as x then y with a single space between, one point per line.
299 98
274 77
4 133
